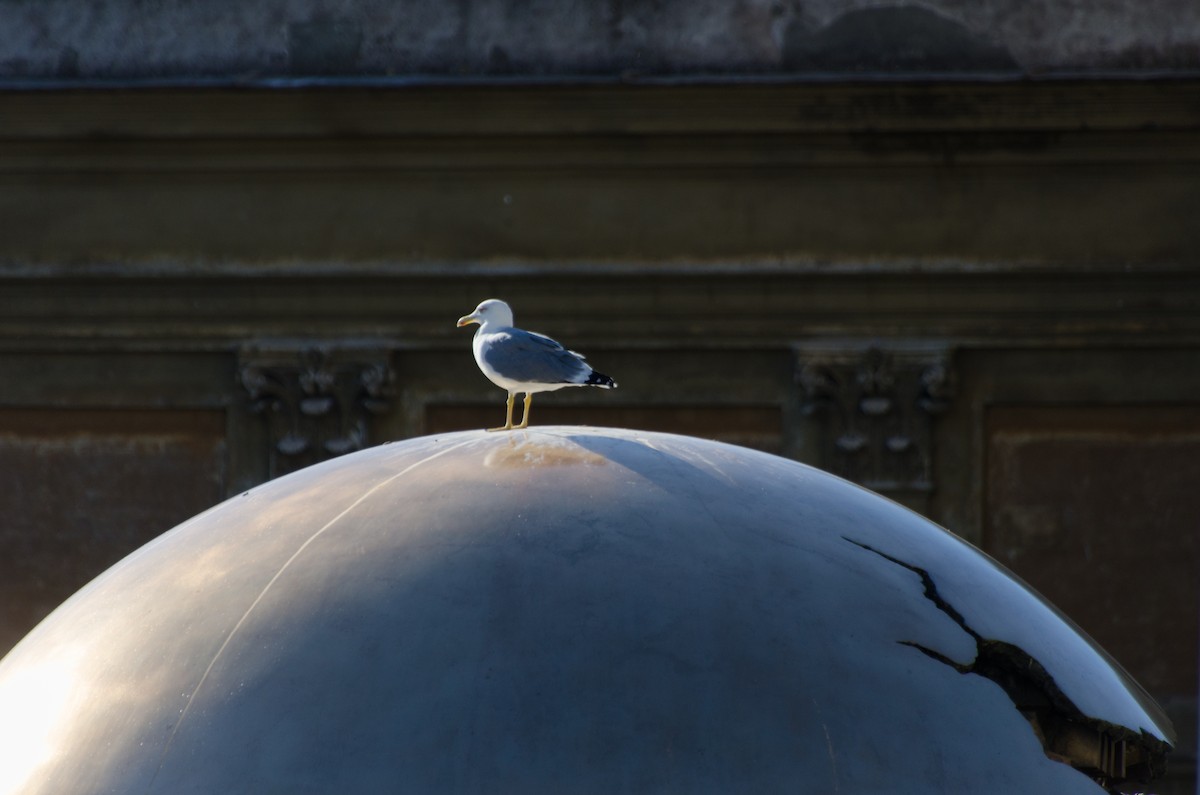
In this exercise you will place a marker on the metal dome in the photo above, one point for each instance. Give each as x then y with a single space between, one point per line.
564 610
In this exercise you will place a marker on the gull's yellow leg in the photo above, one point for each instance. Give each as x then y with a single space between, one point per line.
508 418
525 416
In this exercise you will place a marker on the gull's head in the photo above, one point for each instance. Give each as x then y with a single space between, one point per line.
492 312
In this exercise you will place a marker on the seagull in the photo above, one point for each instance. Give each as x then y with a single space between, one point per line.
522 361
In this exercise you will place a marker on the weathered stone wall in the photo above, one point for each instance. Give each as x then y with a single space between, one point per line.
230 38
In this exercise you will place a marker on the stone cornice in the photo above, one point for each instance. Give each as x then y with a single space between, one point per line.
728 310
399 108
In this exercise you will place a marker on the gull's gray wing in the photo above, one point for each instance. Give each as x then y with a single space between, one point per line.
533 358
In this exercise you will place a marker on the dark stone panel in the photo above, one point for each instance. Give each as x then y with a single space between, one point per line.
1096 508
82 489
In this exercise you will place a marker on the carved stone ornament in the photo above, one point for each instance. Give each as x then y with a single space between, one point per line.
875 406
317 400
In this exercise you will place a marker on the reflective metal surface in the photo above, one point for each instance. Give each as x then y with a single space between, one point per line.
563 610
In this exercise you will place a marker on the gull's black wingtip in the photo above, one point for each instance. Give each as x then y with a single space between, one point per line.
600 380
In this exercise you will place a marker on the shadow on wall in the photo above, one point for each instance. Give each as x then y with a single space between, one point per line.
892 39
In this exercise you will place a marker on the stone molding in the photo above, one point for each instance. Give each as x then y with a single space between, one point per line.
876 405
316 399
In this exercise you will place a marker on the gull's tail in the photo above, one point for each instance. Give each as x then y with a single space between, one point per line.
601 380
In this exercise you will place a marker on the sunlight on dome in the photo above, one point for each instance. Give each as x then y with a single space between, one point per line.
35 699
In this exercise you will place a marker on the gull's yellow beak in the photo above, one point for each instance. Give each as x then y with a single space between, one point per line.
467 320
